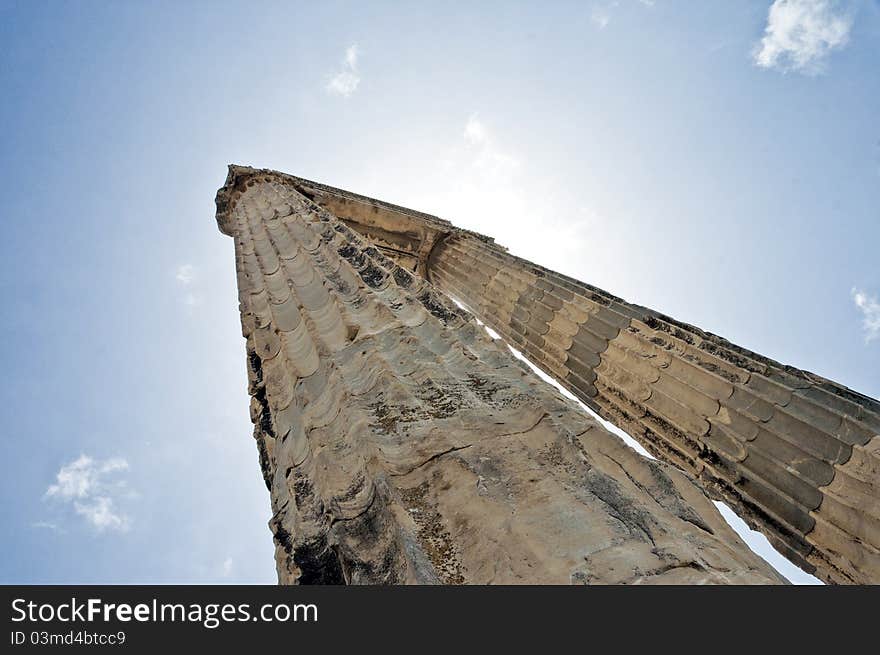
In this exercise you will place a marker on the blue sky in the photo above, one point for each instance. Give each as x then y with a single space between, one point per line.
719 161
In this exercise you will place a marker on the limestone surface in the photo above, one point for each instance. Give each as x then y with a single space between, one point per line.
794 454
401 444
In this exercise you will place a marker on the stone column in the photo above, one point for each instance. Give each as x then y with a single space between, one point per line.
794 454
401 444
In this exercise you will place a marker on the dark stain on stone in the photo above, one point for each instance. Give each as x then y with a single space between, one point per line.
372 275
402 278
432 534
437 307
318 563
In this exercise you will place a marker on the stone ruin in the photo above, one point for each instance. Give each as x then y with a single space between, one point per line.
402 444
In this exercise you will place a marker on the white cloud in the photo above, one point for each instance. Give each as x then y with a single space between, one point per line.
475 132
82 476
601 14
185 274
226 569
486 158
101 512
489 186
346 81
85 483
801 34
351 56
600 17
870 308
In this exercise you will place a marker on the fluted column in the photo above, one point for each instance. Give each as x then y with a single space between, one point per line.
401 444
796 455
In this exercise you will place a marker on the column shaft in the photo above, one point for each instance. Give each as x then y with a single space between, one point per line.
401 444
796 455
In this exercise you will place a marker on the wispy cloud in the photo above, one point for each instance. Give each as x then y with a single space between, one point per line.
487 158
600 16
88 485
490 183
601 13
226 568
475 132
870 308
346 81
186 276
801 34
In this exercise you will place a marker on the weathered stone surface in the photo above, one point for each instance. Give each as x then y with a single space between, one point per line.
401 444
772 441
794 454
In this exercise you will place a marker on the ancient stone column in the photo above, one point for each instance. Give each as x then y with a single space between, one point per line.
401 444
796 455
